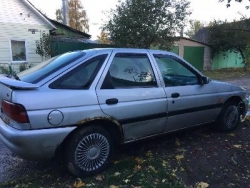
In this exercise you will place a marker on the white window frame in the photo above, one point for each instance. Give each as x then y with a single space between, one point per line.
11 54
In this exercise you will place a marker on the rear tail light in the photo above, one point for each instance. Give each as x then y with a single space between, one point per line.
17 112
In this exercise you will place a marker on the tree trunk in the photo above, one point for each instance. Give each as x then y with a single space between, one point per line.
243 59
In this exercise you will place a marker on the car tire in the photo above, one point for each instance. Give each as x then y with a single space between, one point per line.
89 151
230 117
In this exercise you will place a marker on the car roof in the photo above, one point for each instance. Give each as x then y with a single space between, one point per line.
101 50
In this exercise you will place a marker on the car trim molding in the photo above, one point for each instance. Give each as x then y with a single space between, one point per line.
142 118
172 113
190 110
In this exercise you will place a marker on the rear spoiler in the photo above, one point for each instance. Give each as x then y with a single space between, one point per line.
12 83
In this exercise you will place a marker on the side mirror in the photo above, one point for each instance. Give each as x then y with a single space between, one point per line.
204 80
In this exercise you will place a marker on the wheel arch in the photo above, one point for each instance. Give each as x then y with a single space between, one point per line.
109 124
237 99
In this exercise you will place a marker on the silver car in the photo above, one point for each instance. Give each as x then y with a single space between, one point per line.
84 103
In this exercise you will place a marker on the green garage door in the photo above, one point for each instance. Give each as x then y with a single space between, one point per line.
175 50
195 56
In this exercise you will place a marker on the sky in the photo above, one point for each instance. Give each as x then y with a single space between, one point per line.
203 10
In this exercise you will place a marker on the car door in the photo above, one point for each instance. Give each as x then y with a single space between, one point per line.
190 100
130 92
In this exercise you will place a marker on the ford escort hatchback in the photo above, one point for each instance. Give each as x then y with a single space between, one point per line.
84 103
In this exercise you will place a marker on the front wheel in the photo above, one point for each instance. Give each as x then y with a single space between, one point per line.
89 151
230 116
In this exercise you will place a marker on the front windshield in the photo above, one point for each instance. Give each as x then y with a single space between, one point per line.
44 69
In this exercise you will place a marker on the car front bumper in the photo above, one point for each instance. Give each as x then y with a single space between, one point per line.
33 144
245 107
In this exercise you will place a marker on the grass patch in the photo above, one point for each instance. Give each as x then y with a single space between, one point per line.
225 74
148 170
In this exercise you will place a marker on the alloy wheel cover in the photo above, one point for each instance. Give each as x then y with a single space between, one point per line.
231 116
92 152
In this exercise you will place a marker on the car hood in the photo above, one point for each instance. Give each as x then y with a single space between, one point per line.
225 87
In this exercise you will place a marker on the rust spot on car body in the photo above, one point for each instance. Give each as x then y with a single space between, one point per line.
107 119
99 118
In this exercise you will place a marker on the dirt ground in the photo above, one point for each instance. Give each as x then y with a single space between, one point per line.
218 159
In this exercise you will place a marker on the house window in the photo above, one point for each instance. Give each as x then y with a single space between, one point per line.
18 50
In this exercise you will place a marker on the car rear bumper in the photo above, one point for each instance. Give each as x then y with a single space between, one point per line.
33 144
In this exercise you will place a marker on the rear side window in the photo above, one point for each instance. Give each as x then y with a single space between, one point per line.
130 70
82 76
44 69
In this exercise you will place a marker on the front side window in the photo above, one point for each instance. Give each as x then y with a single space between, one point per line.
82 76
129 70
18 50
175 73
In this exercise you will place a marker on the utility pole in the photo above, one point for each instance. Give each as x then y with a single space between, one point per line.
65 12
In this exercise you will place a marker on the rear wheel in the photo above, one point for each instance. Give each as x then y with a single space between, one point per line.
230 116
89 151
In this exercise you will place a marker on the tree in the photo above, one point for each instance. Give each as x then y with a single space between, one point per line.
43 46
146 23
233 37
103 38
195 25
59 15
77 16
229 2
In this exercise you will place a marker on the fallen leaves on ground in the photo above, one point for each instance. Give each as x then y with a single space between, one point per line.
126 180
113 186
202 185
115 162
237 146
139 160
137 168
152 168
179 157
99 177
117 173
177 142
149 154
78 183
232 134
164 163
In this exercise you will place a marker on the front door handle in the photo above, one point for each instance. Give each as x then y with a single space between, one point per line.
175 95
112 101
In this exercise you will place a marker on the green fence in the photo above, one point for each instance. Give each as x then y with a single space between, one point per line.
227 60
62 47
175 50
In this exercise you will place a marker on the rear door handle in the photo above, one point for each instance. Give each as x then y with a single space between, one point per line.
112 101
175 95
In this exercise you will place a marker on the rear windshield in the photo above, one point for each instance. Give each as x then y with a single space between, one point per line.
44 69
